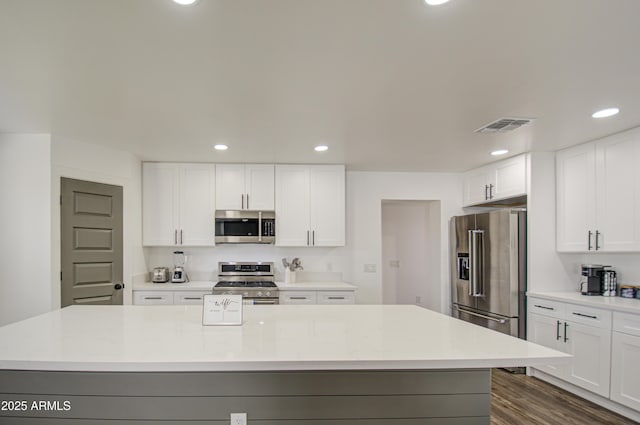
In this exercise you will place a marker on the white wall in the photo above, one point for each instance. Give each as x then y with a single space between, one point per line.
365 193
411 255
84 161
25 225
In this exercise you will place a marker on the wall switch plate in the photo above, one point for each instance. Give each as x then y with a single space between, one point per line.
369 268
238 419
395 264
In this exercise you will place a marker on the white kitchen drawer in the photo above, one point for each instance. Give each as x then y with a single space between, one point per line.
588 315
152 297
336 297
546 308
297 297
626 323
189 297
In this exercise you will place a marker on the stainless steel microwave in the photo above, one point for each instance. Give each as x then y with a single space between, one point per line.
245 226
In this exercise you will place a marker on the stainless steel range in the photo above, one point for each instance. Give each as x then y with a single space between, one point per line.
254 281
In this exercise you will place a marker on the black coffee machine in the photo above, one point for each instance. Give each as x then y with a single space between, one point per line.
591 279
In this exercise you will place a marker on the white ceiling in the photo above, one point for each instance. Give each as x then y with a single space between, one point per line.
387 84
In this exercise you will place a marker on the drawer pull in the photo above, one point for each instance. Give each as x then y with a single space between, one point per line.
544 307
192 298
585 315
335 298
298 298
153 298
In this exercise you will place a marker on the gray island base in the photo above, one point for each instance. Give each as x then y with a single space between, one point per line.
286 365
411 397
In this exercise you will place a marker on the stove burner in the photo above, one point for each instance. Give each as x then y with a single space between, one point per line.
245 284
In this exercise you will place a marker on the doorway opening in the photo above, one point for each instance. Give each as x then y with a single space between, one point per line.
411 253
91 219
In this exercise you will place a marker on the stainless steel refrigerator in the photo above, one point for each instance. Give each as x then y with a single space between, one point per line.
488 270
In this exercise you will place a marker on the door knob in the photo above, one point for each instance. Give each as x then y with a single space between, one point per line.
118 286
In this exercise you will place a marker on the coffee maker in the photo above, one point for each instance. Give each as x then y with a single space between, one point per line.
591 279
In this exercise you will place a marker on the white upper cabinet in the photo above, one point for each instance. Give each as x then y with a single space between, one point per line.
495 182
245 187
178 204
310 205
598 195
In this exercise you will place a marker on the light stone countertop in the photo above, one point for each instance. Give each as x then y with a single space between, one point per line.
626 305
316 286
272 338
196 285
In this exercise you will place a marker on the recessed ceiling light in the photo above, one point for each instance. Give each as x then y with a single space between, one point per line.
604 113
435 2
221 147
185 2
321 148
499 152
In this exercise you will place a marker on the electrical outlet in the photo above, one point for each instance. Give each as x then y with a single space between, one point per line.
394 264
418 300
369 268
238 419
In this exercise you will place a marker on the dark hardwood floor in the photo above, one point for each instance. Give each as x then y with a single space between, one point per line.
523 400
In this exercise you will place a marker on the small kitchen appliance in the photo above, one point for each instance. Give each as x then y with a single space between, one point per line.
591 279
160 275
179 274
255 281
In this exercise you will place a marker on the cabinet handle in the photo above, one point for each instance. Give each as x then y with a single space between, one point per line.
152 298
566 325
247 201
297 298
557 330
335 298
180 236
313 238
192 298
486 187
307 238
175 237
242 196
490 191
597 240
584 315
544 307
589 241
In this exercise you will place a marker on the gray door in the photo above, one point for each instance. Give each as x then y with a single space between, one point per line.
500 275
91 243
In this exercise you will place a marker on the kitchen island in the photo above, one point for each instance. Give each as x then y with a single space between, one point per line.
320 364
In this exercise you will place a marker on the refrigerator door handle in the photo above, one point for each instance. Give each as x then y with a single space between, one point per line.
473 313
476 262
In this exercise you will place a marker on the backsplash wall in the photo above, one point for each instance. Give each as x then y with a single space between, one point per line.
202 262
627 266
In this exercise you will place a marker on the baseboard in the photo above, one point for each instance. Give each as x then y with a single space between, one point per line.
587 395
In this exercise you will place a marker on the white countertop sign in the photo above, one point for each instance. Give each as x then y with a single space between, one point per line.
627 305
280 337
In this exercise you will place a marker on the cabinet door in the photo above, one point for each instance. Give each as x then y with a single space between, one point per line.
189 297
335 297
292 205
575 198
159 203
259 187
508 178
475 186
625 373
197 206
152 297
547 331
591 348
327 205
230 187
618 203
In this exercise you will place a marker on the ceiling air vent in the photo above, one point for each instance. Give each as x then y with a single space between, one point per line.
504 124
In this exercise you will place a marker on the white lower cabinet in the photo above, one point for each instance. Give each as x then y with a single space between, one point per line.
580 331
625 356
168 297
317 297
